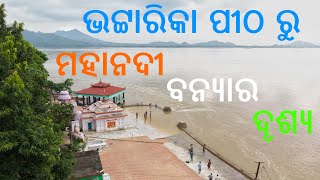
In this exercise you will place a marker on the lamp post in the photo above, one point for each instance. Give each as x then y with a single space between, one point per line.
258 168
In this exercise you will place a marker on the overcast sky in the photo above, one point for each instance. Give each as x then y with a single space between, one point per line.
44 16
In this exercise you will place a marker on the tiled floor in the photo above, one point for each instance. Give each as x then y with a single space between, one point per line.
142 159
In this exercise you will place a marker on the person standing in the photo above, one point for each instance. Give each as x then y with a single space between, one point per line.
210 176
191 152
191 156
199 168
209 164
217 178
136 115
203 148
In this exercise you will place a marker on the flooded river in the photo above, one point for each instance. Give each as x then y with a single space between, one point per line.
286 78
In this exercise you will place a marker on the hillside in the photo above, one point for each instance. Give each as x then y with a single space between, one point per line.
76 39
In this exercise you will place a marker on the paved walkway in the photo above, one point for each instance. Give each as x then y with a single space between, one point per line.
140 158
179 145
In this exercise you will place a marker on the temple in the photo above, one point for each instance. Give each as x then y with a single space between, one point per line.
101 116
100 91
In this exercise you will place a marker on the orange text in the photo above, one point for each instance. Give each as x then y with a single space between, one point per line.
118 62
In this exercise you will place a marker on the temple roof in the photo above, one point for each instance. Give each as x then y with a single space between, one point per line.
101 110
102 107
100 85
102 89
64 96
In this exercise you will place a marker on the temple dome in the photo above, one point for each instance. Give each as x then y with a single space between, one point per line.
64 96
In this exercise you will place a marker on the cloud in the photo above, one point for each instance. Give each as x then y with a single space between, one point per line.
49 16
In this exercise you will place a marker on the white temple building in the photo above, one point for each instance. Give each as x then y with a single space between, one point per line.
101 116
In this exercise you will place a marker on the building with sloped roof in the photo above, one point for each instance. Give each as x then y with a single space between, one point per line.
100 116
100 91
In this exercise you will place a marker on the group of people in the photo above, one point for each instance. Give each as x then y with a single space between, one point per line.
191 153
145 114
211 177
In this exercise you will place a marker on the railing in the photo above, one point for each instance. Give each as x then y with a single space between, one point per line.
142 105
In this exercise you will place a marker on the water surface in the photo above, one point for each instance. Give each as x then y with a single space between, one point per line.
286 78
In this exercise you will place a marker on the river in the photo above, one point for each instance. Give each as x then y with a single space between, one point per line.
286 78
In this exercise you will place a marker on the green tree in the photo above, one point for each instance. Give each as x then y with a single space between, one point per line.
64 167
30 132
62 114
64 86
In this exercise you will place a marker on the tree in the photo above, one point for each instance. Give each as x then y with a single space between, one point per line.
64 168
30 133
62 114
64 86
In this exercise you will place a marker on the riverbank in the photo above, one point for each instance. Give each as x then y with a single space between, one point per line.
177 143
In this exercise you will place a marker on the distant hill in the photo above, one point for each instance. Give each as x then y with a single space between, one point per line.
76 35
297 44
214 44
171 43
76 39
50 40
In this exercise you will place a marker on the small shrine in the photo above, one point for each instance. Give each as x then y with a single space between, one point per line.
98 92
64 97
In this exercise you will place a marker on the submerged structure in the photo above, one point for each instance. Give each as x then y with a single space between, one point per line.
100 91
